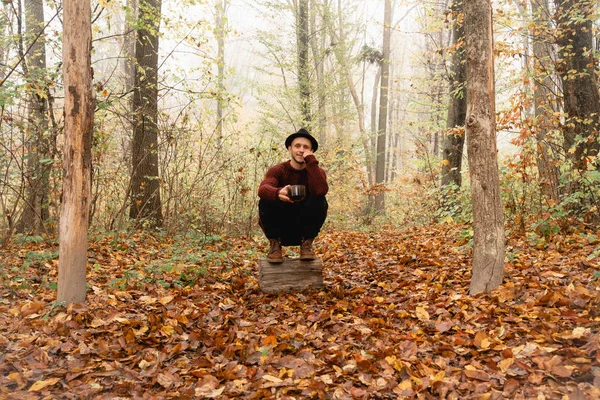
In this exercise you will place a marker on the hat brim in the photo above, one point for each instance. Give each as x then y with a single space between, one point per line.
313 141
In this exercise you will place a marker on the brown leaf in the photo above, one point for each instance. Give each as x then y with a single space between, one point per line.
562 371
473 373
443 326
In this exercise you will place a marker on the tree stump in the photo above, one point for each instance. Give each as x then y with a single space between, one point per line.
290 275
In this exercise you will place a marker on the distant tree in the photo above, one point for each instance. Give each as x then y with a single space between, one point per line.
39 157
344 59
4 24
79 115
488 218
544 96
129 38
577 68
220 33
303 61
383 105
318 45
145 182
454 140
374 57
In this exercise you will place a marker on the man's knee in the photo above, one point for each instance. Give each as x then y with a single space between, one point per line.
317 203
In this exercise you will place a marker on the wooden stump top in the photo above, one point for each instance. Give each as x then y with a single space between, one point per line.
292 274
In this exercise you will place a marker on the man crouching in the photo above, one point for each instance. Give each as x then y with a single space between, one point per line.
284 220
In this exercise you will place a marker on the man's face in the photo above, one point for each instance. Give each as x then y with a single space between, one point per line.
300 148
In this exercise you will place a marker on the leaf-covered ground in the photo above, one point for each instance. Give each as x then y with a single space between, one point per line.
185 318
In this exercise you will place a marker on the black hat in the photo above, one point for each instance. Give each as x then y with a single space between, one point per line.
302 133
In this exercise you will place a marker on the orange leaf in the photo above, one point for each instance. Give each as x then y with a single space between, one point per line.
270 341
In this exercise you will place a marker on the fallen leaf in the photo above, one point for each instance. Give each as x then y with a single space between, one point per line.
473 373
40 385
422 314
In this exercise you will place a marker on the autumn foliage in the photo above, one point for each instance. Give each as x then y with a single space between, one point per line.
184 318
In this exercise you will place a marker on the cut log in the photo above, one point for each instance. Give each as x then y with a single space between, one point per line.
290 275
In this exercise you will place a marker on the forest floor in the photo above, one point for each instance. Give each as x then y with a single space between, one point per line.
185 318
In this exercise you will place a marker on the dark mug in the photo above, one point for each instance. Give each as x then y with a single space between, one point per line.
297 192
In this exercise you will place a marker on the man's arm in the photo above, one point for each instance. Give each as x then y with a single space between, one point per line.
317 179
270 189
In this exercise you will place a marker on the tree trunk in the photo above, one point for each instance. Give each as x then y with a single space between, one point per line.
39 159
342 59
221 12
4 24
543 54
383 104
374 104
319 56
145 182
454 140
391 132
576 68
303 75
488 219
128 69
129 38
79 115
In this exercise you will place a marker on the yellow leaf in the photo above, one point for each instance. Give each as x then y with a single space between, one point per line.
148 299
397 364
166 300
579 332
141 331
439 377
167 330
505 364
96 322
40 385
422 314
482 341
404 385
271 378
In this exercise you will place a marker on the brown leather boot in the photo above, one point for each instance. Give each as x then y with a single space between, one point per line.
306 250
275 255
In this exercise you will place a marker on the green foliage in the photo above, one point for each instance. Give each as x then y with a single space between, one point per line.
454 204
9 92
35 258
26 239
593 239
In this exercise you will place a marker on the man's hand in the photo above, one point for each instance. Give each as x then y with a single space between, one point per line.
283 194
307 153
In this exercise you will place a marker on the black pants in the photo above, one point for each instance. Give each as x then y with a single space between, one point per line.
291 222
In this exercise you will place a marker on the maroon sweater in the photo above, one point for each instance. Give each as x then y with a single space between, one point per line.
280 175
